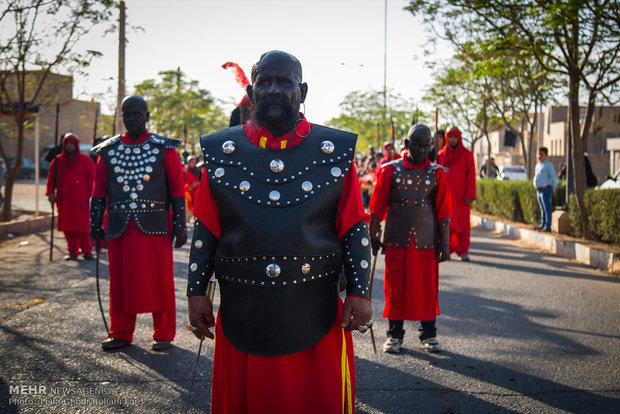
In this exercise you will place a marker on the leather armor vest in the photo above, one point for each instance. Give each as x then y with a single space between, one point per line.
278 257
412 208
137 185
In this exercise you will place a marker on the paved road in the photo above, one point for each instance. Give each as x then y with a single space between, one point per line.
23 196
522 332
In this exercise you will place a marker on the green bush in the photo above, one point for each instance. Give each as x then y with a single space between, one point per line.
603 222
574 217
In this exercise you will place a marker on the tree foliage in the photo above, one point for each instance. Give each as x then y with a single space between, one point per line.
179 107
578 41
38 36
363 113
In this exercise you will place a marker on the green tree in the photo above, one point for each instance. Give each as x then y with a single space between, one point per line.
577 40
179 107
38 36
363 113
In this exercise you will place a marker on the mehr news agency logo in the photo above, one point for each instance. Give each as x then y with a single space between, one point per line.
41 395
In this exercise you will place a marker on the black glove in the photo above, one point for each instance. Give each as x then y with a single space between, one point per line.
376 245
443 252
179 228
97 211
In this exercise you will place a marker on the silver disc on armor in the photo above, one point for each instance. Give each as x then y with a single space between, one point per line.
193 267
244 186
198 244
336 172
148 169
276 166
364 241
306 186
155 151
274 195
139 187
152 158
146 147
273 270
136 150
146 178
228 147
219 172
305 268
120 179
327 147
364 264
126 188
133 196
133 206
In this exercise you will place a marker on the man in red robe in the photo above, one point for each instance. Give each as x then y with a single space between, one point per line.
462 182
69 185
278 214
139 176
412 194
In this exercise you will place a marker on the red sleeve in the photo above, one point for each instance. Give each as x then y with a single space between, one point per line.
350 208
380 199
90 166
470 178
101 179
50 178
174 173
443 202
205 208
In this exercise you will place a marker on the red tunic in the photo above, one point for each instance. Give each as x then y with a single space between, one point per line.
244 383
74 185
141 275
411 279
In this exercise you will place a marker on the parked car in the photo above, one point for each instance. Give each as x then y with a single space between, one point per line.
26 170
513 172
611 182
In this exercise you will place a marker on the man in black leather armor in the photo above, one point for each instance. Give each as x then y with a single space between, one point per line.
414 195
139 183
278 215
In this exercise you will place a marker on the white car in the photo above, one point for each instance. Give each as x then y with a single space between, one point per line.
611 182
513 172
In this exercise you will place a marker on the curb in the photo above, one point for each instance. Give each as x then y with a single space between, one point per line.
30 225
598 258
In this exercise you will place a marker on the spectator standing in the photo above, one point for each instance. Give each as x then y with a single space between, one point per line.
545 182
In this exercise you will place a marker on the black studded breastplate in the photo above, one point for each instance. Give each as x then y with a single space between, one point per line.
411 210
278 257
137 185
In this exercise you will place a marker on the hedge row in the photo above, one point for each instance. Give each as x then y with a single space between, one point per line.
513 200
516 201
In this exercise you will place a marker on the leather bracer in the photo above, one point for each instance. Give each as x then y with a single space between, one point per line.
444 231
97 212
356 249
178 215
201 255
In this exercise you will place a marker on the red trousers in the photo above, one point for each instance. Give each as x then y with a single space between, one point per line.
459 240
77 240
122 325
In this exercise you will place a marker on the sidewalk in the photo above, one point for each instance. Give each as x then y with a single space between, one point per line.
597 255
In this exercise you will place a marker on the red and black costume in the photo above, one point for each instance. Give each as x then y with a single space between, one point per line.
139 181
276 219
462 184
72 177
191 176
415 202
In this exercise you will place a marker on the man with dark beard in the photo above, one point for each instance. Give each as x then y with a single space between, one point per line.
278 214
69 184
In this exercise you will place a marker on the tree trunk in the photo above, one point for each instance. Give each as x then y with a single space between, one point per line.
8 199
579 143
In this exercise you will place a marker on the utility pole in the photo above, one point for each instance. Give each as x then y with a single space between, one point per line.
119 127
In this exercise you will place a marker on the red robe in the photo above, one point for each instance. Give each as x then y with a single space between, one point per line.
462 183
141 275
74 185
411 281
191 187
244 383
